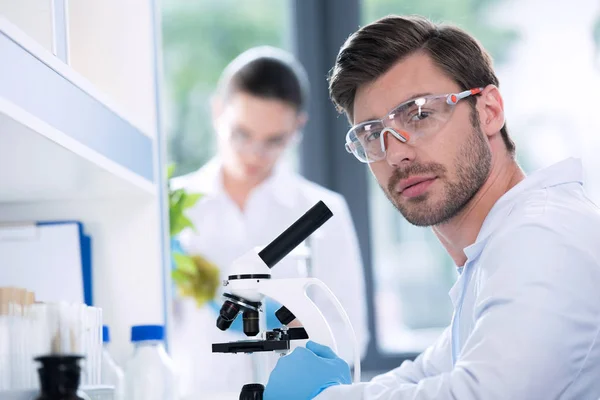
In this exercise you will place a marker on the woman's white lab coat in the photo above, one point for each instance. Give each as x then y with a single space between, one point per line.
225 233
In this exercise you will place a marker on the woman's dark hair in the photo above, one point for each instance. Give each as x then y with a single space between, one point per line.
269 73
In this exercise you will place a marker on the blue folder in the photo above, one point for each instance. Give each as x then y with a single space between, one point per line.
19 241
86 259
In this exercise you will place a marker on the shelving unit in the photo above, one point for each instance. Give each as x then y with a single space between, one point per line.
81 142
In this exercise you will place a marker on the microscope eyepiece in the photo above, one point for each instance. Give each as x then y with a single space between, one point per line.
298 232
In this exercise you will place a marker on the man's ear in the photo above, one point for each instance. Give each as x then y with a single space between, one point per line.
491 110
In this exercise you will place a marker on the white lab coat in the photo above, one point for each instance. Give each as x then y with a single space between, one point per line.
527 305
225 233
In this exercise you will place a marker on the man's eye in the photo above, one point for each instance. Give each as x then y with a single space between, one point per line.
373 136
418 116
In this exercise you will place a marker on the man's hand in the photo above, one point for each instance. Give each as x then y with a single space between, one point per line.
306 372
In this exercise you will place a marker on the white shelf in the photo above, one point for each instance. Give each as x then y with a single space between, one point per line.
68 152
59 137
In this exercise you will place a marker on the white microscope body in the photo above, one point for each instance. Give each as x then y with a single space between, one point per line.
250 281
292 293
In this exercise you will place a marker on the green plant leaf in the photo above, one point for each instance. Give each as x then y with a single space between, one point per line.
174 217
175 197
179 201
184 263
170 171
180 223
191 199
177 220
179 277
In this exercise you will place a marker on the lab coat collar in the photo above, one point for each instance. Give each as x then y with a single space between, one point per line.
566 171
207 180
456 288
281 185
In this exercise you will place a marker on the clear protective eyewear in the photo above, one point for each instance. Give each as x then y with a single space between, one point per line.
408 122
267 148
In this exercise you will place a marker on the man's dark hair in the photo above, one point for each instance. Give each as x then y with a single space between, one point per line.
376 48
269 73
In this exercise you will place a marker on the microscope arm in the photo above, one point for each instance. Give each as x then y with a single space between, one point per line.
292 294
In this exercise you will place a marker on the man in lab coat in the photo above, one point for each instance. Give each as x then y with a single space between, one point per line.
428 118
250 197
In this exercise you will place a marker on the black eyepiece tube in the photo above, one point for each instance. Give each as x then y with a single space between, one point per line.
295 234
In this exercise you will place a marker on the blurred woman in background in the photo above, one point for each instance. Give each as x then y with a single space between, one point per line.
250 197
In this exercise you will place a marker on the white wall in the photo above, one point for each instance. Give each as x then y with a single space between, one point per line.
111 44
34 17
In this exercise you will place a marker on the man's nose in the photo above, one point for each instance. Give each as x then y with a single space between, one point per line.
398 151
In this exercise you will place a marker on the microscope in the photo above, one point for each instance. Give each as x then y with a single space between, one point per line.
250 282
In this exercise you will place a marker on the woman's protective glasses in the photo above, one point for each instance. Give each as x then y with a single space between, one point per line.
269 148
409 122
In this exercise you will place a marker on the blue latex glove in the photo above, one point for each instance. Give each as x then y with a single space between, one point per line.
306 372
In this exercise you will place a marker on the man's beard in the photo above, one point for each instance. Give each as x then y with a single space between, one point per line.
473 164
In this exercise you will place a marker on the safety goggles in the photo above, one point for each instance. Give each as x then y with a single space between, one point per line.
269 148
409 122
